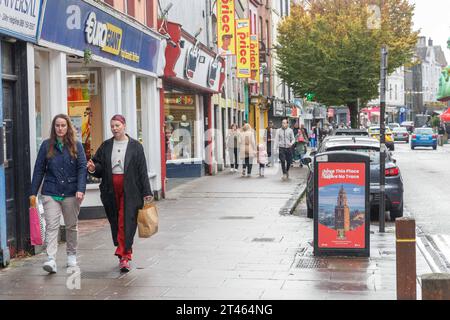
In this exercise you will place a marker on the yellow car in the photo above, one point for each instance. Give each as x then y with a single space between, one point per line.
374 132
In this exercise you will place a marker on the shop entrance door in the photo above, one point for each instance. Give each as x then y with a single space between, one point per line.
9 163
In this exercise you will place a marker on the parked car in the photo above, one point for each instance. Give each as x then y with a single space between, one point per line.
409 125
401 134
394 181
374 132
424 137
393 125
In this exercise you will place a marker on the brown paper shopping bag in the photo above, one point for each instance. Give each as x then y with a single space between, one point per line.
148 221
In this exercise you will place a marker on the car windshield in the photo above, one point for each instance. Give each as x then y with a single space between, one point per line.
424 131
400 130
377 130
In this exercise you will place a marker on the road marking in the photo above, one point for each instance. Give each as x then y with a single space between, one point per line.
433 266
443 247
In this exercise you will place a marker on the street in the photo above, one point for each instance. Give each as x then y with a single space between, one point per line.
221 237
426 175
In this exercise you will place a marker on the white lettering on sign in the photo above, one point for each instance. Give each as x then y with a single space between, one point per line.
74 20
96 32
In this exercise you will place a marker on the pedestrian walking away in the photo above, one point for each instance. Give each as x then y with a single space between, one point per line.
247 150
61 164
125 188
285 141
232 143
261 158
269 136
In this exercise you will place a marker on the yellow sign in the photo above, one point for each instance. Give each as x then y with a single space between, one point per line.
243 48
226 36
113 39
254 57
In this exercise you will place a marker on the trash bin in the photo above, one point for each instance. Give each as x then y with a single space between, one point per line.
441 140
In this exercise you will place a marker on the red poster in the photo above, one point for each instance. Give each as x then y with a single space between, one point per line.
342 203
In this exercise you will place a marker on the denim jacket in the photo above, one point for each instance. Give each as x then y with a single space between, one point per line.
63 175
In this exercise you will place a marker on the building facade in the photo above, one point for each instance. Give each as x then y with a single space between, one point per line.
16 100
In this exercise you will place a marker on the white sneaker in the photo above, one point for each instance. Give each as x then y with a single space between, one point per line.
50 266
71 261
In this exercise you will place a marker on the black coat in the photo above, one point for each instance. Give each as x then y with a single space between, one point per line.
136 186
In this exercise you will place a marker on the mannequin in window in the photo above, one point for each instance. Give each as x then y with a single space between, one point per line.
184 124
184 138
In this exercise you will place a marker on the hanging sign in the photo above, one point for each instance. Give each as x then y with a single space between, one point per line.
226 36
254 57
243 48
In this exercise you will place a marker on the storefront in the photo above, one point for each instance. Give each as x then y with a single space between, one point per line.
259 116
18 30
93 62
192 75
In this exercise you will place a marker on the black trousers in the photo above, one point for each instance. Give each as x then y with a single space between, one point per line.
236 163
286 159
248 165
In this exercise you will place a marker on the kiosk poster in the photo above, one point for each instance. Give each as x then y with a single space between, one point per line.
342 198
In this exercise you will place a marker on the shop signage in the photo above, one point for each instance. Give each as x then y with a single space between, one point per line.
192 61
341 204
243 48
80 25
254 57
288 111
226 35
278 108
179 100
20 19
212 72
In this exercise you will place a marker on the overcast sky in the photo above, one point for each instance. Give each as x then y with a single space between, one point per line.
433 18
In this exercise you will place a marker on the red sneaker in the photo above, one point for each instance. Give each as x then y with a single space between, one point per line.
124 265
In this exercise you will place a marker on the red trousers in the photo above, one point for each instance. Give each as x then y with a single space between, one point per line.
121 252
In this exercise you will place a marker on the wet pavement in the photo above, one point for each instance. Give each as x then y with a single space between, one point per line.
221 237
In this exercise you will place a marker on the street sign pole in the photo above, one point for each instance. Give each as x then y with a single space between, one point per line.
384 64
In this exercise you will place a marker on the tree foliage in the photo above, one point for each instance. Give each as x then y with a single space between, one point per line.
332 48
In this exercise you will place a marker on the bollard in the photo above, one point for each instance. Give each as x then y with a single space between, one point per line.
436 286
405 232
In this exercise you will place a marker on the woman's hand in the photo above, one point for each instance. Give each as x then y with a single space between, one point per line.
148 201
80 197
33 202
91 166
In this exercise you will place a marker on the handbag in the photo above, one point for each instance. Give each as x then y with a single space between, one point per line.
35 227
300 138
148 221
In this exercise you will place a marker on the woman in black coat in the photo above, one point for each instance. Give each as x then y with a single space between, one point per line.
125 187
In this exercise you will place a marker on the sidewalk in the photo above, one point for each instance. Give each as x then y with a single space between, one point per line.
221 237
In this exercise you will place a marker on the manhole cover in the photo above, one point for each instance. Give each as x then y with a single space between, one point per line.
263 239
236 218
100 275
312 264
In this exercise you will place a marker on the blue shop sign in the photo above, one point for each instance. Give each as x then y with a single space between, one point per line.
80 25
20 19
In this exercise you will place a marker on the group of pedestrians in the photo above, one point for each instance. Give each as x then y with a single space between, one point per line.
62 166
291 144
242 148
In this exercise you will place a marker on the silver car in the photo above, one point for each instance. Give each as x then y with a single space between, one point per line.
401 134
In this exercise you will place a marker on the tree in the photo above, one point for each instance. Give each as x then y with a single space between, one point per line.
331 48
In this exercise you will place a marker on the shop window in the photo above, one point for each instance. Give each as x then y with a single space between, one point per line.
180 115
38 108
85 108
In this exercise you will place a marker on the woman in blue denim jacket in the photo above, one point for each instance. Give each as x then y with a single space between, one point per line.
61 163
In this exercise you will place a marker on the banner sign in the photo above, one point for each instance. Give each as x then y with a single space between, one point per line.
80 25
226 35
254 57
342 212
243 48
20 19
